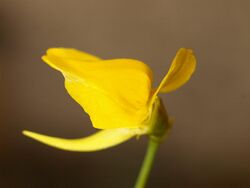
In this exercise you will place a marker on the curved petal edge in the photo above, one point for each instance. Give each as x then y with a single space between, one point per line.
98 141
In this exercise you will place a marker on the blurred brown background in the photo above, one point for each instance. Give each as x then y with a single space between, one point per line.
209 145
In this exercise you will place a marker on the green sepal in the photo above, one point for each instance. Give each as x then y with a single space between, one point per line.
160 124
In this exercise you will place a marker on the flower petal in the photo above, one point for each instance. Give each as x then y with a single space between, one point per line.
180 71
114 93
71 53
98 141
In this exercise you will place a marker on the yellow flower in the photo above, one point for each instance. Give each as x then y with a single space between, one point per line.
117 94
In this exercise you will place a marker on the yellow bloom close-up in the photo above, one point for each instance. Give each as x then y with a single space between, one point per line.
117 95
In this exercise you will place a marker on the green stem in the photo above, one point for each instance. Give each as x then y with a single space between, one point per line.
153 146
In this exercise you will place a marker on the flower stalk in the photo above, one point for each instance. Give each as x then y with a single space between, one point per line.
160 125
147 165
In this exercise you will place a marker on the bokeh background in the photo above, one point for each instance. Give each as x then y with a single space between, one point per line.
209 144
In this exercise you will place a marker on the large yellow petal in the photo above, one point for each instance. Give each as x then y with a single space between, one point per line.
114 93
98 141
180 71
